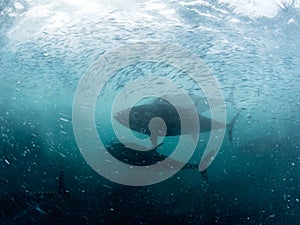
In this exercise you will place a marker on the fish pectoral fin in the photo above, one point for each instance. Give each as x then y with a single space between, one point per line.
154 138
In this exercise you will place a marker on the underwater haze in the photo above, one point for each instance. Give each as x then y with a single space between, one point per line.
253 50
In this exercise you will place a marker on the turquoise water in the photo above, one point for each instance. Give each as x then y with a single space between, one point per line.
253 51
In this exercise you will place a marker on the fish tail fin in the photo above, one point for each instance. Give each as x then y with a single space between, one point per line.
232 100
231 125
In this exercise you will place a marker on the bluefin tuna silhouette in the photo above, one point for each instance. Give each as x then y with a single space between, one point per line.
140 158
138 118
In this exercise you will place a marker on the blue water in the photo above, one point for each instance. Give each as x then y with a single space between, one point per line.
252 49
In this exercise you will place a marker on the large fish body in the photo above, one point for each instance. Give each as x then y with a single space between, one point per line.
138 118
140 158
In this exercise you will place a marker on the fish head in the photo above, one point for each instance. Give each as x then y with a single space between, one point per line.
123 117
